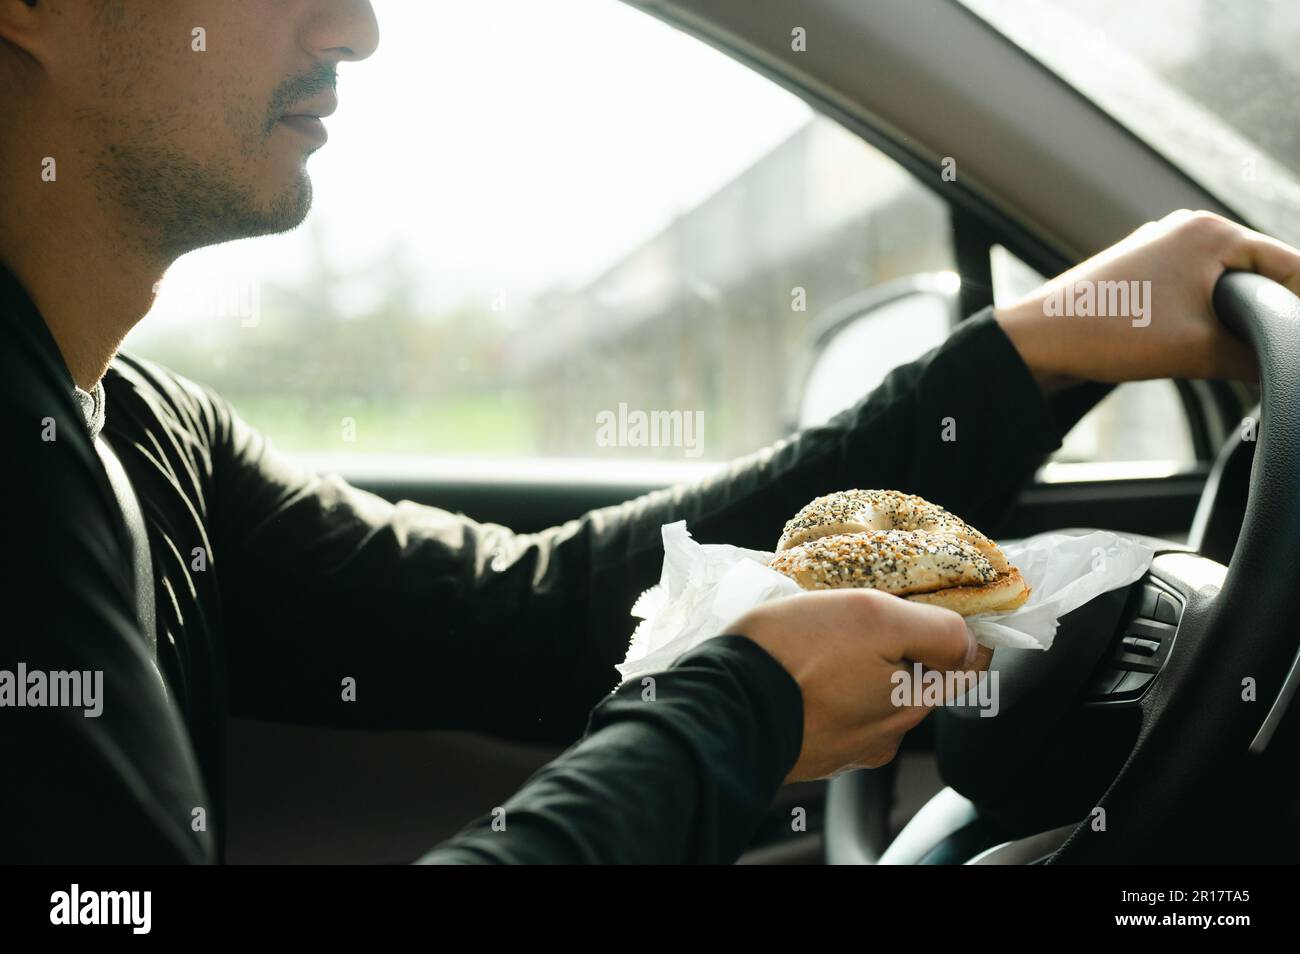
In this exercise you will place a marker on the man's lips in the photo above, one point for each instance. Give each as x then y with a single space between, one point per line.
306 119
309 126
319 108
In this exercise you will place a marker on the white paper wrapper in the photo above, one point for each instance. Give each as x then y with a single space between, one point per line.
705 587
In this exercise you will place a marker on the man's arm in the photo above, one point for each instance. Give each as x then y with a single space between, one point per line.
684 776
450 623
682 765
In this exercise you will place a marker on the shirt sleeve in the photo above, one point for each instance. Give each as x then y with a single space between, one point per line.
441 621
677 768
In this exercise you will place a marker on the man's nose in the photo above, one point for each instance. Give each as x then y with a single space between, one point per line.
340 30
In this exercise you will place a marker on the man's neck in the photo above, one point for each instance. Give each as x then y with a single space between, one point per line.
69 250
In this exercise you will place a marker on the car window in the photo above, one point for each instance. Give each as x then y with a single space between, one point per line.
567 250
1211 85
540 266
1139 430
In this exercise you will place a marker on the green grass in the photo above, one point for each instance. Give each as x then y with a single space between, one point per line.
486 424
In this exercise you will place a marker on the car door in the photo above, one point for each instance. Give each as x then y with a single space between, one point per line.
599 270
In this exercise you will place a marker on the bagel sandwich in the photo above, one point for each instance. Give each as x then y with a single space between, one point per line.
900 544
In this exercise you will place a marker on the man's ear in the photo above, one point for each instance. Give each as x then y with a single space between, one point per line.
24 26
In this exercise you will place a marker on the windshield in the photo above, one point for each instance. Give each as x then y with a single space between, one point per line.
1214 86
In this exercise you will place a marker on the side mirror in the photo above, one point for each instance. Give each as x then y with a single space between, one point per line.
859 341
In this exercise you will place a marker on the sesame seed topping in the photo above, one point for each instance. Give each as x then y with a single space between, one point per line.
895 561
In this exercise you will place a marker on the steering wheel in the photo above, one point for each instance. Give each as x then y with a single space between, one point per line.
1157 703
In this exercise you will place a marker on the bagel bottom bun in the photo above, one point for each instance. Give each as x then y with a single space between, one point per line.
1006 593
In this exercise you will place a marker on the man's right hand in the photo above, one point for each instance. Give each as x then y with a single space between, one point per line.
843 647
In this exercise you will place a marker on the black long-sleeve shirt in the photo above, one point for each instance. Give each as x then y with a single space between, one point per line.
274 586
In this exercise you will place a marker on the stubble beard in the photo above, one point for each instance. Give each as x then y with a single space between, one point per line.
176 204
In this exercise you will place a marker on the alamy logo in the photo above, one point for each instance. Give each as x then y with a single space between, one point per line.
36 688
651 429
930 687
103 908
1088 299
239 299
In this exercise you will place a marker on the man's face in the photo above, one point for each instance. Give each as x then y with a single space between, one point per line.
204 137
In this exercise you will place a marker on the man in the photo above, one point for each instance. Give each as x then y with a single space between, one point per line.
156 539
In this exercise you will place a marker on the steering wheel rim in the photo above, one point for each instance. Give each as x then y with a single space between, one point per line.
1234 632
1196 721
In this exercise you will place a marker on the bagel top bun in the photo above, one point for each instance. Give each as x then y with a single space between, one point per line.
864 511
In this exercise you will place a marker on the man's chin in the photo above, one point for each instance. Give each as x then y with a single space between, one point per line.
240 216
289 209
